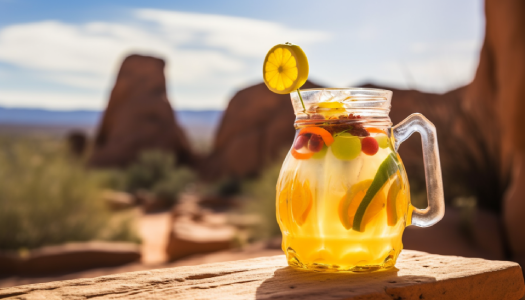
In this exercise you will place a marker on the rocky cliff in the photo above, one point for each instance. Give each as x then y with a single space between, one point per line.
256 128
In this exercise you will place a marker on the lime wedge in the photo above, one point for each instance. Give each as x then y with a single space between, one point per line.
387 168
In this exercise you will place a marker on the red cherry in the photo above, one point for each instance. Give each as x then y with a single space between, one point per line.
301 141
369 146
316 143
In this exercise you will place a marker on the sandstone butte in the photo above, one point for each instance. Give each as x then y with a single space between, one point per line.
139 117
418 276
496 97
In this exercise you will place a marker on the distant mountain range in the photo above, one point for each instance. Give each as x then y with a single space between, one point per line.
196 122
29 116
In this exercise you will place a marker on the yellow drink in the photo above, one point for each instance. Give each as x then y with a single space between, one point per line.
342 195
320 194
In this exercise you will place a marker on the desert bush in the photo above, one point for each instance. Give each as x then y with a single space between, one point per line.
152 167
174 183
261 193
155 172
48 198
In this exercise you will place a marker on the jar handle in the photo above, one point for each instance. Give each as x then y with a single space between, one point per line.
436 200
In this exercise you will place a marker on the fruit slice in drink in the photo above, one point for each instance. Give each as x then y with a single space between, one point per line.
311 141
301 155
350 203
396 201
323 133
301 201
283 199
387 168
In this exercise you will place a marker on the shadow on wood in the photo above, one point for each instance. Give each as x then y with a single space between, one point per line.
289 283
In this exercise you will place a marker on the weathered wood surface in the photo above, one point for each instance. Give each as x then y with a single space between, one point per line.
418 276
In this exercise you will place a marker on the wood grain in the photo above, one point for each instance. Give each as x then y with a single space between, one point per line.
417 275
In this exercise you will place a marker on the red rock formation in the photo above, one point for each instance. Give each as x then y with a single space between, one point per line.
71 257
194 230
479 126
256 128
470 157
138 117
496 95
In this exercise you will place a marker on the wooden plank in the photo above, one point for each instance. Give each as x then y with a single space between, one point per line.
418 276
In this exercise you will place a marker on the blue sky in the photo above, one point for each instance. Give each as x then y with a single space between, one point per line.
65 54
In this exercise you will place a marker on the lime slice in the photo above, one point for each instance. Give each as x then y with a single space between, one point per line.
285 68
387 168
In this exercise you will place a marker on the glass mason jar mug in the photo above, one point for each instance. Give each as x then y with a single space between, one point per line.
343 198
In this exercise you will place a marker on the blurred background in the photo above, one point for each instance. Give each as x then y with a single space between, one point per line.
138 135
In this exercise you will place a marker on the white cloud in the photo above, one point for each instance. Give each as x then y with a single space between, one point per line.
443 65
439 73
58 64
237 35
200 49
55 100
466 47
86 80
95 48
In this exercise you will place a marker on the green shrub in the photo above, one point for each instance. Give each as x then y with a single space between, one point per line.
174 183
48 198
262 192
155 172
152 167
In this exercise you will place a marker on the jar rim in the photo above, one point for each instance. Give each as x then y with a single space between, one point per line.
370 104
347 89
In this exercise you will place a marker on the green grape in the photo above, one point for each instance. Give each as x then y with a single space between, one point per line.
382 140
346 146
321 153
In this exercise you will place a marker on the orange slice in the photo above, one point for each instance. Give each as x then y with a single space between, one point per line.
325 135
377 204
299 155
282 205
350 202
301 201
374 130
396 202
